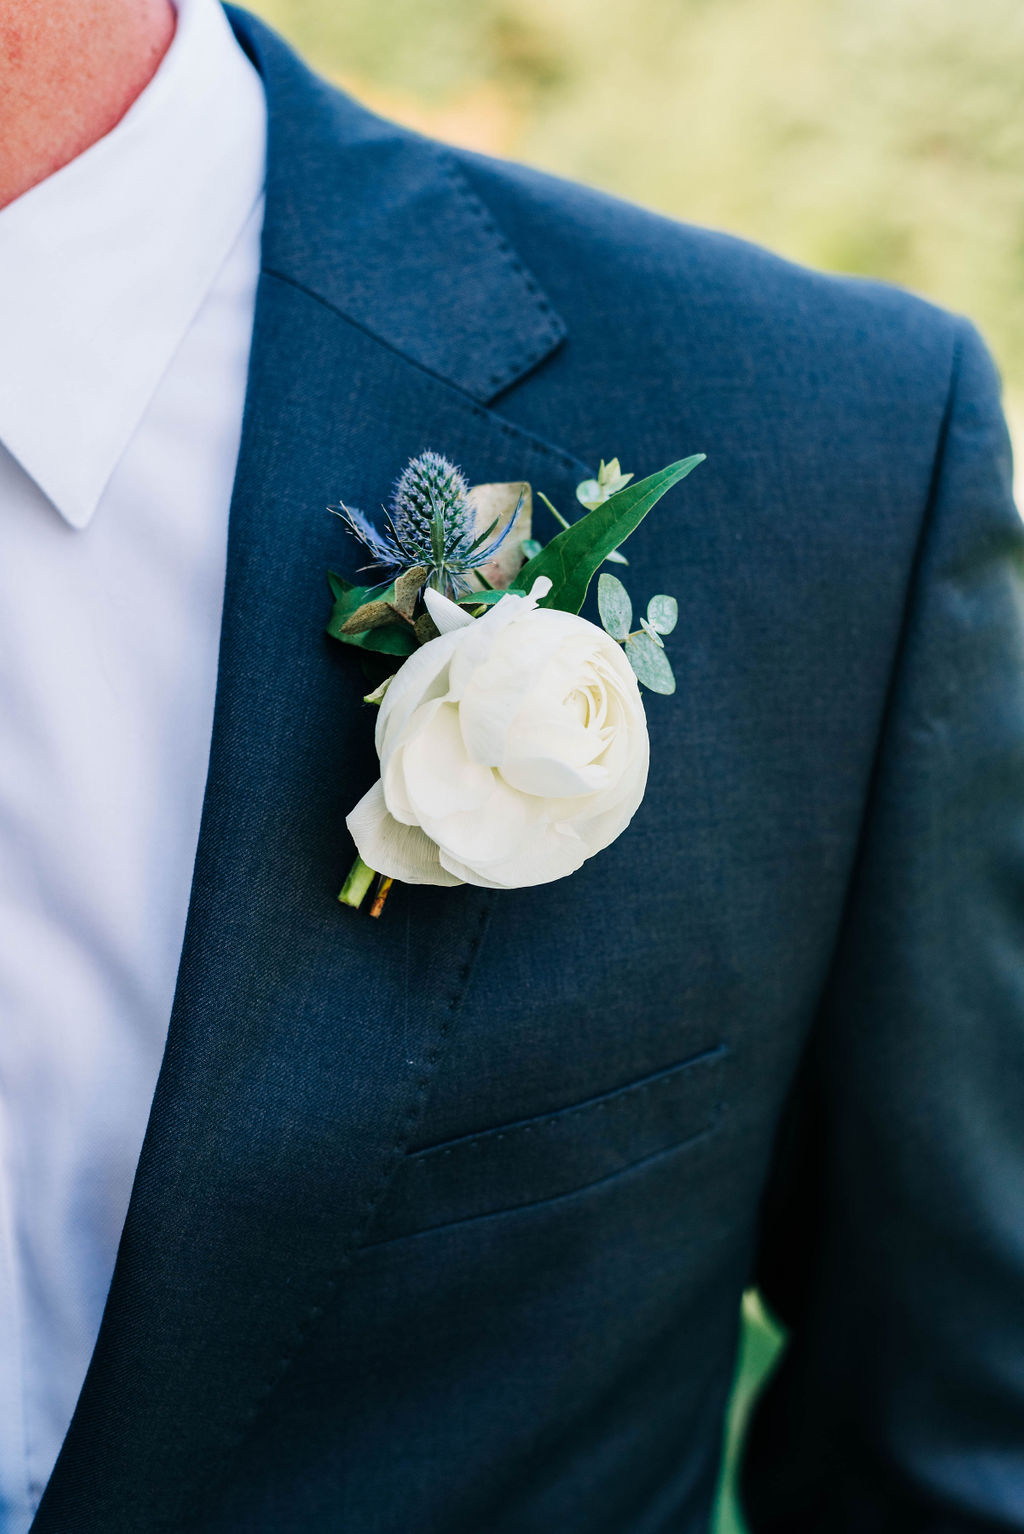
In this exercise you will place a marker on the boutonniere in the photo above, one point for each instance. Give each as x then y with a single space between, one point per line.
511 732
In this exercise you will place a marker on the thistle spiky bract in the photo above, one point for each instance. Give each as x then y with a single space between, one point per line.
431 523
427 485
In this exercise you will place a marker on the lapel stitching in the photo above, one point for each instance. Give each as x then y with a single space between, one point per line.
482 411
551 334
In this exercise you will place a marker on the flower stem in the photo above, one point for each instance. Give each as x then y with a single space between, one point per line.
355 887
383 885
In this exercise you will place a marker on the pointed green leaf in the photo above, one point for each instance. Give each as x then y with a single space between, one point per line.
650 663
614 606
663 614
571 559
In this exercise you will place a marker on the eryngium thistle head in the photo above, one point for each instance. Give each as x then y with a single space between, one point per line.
429 485
431 523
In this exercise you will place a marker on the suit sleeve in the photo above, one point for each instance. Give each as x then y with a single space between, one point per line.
895 1248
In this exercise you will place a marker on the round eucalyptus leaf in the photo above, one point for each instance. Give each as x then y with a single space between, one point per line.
663 614
650 664
614 606
652 632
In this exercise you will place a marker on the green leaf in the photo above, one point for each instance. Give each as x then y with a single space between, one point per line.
571 559
347 597
480 599
650 663
530 547
563 521
391 639
614 606
663 614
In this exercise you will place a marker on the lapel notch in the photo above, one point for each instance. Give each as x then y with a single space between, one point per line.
395 239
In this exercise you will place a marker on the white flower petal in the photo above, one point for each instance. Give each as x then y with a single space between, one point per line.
447 615
513 748
422 677
399 852
439 775
555 855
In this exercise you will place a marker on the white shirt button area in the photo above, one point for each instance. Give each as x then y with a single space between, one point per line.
127 287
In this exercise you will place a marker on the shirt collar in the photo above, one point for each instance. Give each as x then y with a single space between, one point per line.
104 265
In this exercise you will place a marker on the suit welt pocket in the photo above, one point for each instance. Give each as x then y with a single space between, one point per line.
535 1159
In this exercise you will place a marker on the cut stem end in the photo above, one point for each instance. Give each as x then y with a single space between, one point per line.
357 885
381 894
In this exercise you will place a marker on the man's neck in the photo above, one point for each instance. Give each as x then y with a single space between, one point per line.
69 70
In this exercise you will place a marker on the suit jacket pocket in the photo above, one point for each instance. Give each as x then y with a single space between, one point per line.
536 1159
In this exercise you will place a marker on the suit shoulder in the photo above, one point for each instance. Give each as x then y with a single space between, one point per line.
593 251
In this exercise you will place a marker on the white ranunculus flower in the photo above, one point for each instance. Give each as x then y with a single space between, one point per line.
512 748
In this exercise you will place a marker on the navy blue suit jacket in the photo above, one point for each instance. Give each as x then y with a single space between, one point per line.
442 1221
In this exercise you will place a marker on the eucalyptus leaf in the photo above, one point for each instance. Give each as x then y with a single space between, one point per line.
571 559
588 493
530 547
614 606
650 663
663 614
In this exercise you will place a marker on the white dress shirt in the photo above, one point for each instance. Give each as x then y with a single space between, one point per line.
127 285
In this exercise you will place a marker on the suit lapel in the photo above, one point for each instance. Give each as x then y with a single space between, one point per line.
303 1036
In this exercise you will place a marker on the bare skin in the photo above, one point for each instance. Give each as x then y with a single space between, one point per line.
69 70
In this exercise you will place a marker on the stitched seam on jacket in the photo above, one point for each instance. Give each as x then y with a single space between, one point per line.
481 411
554 329
555 1198
670 1075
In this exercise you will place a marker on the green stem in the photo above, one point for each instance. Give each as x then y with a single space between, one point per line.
553 510
356 886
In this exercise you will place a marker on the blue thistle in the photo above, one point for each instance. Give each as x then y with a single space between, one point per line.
431 523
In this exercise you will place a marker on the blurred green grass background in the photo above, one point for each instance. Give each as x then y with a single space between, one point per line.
879 137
